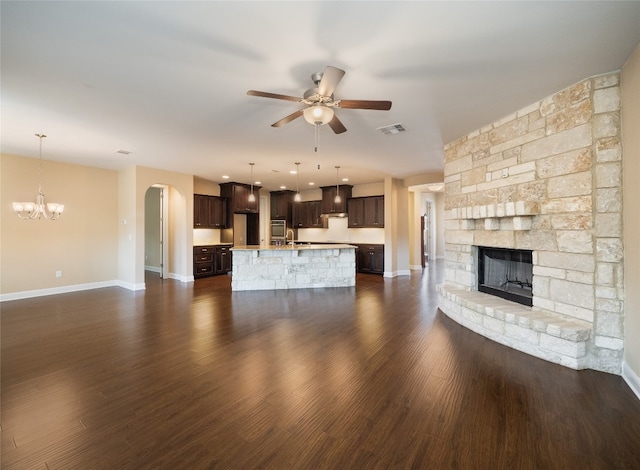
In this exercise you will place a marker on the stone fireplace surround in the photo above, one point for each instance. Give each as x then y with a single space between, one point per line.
548 179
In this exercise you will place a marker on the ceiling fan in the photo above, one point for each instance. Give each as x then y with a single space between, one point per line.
319 101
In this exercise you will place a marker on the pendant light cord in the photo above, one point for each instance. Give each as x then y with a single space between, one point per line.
40 136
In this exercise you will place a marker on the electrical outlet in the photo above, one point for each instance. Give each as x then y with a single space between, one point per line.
58 273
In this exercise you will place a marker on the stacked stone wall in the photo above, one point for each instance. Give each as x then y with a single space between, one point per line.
548 178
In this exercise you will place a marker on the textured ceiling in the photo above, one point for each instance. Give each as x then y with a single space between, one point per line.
168 80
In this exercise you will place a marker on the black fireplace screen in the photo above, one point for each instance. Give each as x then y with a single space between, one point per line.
506 273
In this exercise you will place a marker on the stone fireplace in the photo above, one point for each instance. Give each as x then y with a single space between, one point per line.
545 180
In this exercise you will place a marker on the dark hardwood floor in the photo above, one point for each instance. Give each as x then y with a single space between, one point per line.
189 376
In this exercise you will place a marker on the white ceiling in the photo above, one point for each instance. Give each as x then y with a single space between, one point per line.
168 80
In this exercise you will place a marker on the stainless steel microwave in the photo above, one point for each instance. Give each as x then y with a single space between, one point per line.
278 230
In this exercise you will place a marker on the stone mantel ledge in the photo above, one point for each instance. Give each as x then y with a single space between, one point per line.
541 333
496 211
521 214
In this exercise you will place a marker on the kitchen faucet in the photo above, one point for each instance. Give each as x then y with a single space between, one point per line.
286 237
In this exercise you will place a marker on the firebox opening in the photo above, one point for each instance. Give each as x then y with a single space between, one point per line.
506 273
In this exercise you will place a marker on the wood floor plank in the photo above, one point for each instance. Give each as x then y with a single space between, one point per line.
196 376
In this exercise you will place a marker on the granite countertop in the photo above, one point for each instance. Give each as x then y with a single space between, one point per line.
212 244
298 246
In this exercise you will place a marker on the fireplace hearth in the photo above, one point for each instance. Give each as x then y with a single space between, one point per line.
506 273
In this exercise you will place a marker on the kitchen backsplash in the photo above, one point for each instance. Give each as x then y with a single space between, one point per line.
338 231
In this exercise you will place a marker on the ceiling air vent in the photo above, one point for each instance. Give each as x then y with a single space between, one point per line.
392 129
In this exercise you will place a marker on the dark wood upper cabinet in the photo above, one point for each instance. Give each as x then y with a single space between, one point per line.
374 211
281 205
200 211
308 215
238 195
366 212
329 206
209 211
355 208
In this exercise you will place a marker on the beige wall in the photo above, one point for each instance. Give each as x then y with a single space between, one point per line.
630 82
180 262
207 187
370 189
82 243
396 228
100 238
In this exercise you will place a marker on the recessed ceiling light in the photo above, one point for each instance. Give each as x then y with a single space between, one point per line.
311 183
345 179
257 182
225 177
283 187
123 152
293 172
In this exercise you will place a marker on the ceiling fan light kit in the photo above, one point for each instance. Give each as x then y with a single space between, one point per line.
318 114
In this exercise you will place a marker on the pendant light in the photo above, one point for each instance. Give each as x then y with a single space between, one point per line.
297 197
252 197
338 199
38 210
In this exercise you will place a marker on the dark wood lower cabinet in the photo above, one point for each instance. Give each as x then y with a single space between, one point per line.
222 259
370 259
210 260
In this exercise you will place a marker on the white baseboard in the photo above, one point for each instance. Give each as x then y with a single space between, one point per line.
26 294
153 269
401 272
180 277
631 378
131 286
415 267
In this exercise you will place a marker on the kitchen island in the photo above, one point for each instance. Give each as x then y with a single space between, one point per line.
302 266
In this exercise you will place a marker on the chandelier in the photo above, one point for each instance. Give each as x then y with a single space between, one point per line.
38 209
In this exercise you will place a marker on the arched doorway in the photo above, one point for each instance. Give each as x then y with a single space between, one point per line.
156 230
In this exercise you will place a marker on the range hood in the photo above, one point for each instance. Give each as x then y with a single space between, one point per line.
331 215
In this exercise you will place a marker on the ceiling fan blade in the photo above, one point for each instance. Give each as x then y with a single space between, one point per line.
330 79
276 96
336 125
288 119
365 104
